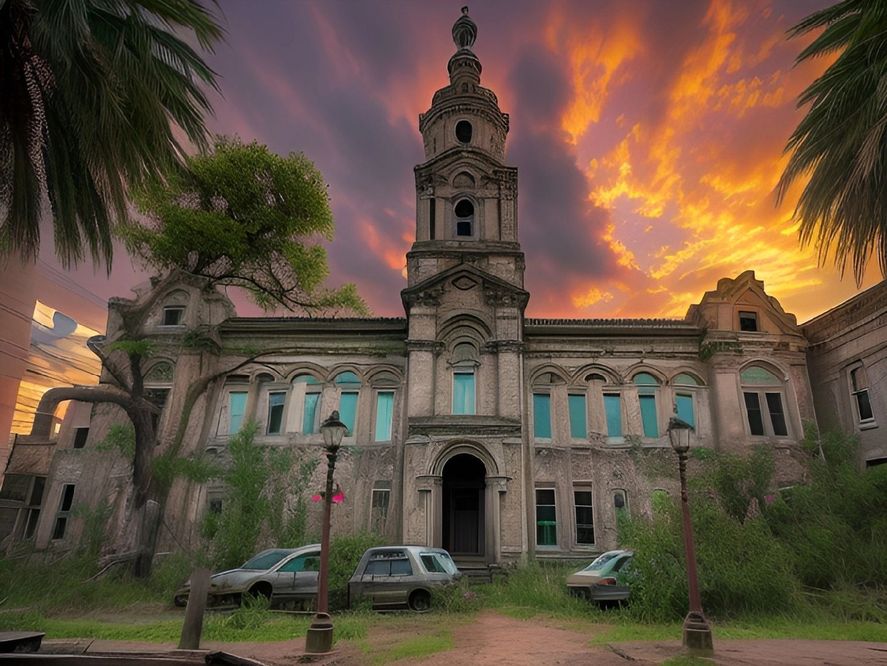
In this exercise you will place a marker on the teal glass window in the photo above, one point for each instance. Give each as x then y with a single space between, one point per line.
645 379
236 410
347 377
384 415
546 517
348 410
542 416
648 415
613 409
756 375
578 423
276 402
463 392
309 414
684 407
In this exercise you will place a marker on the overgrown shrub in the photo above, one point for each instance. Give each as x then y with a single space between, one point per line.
455 598
345 553
835 526
536 588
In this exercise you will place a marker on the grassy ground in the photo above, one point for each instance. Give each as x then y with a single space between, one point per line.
60 601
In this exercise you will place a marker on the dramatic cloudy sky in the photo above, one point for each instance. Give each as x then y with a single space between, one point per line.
648 136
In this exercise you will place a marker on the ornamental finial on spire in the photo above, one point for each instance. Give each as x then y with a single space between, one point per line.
464 31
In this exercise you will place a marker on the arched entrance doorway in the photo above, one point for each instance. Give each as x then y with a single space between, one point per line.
463 485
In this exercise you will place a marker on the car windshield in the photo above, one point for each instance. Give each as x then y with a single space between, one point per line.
438 563
602 560
265 560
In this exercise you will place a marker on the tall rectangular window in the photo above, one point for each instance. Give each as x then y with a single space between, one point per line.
753 409
613 409
236 410
61 519
384 415
379 506
348 410
546 517
859 385
777 415
309 414
578 411
542 416
648 415
463 392
276 402
584 516
684 407
432 211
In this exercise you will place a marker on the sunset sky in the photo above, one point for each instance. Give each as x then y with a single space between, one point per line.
648 137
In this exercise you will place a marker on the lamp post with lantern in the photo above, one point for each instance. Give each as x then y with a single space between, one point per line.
697 631
319 638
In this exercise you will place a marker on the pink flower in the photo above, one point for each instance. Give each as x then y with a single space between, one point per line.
316 498
769 499
338 496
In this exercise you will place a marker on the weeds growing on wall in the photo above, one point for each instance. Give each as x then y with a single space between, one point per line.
761 550
257 511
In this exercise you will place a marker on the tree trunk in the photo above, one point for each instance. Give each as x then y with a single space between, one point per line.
147 538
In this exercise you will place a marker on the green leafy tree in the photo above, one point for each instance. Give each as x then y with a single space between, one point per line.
243 216
842 141
238 216
89 93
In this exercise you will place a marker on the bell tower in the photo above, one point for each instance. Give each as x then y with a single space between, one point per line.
466 196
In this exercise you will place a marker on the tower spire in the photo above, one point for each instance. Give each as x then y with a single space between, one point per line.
464 65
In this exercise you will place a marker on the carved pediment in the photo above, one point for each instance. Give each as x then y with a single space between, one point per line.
496 291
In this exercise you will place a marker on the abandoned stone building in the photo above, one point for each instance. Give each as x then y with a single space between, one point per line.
472 426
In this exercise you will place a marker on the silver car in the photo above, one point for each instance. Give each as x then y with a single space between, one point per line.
283 575
401 576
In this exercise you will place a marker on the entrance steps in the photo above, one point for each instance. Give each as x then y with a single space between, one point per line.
477 571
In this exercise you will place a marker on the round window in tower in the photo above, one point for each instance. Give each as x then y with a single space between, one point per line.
463 131
464 218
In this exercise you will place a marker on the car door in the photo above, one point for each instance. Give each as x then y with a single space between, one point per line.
375 576
305 584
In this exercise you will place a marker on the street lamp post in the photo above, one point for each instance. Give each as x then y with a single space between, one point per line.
697 631
319 639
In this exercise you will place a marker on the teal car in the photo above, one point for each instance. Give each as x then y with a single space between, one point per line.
600 581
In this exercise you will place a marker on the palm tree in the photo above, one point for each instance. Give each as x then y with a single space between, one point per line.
89 93
842 141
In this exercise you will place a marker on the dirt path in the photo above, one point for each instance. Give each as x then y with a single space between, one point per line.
493 639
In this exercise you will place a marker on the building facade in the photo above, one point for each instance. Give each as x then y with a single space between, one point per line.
471 426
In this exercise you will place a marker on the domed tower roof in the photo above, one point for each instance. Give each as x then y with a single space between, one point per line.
464 64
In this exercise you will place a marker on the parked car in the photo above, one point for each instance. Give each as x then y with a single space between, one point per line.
280 574
401 576
600 581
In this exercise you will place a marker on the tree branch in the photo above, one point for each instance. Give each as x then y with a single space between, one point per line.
95 394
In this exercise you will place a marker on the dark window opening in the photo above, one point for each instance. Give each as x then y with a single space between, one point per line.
157 396
215 506
874 462
584 517
753 408
777 416
61 520
860 389
463 131
748 321
464 218
80 435
172 316
275 412
432 211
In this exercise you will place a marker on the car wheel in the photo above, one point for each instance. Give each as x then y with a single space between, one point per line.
420 601
180 600
260 591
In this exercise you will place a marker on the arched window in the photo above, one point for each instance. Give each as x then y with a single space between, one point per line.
464 363
684 397
384 384
764 401
543 385
648 387
612 400
348 384
464 211
306 390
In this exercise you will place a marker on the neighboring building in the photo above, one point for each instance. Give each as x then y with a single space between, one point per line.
472 427
848 368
